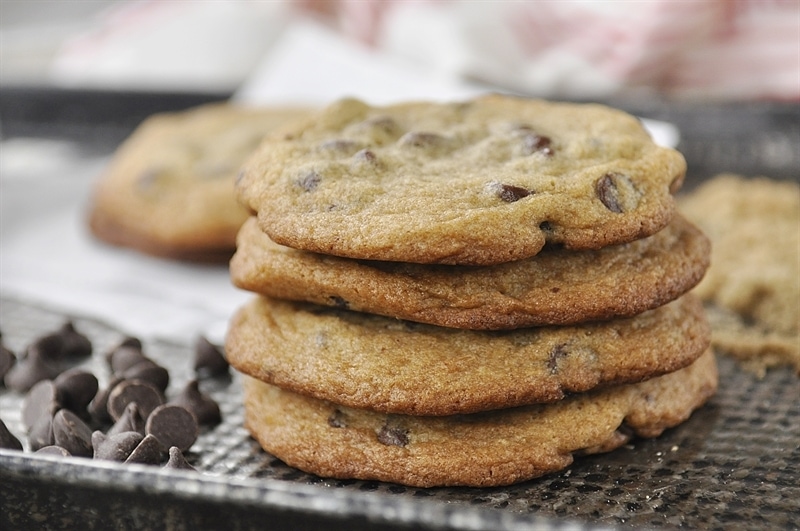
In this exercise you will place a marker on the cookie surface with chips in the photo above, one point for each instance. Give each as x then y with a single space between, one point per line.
481 182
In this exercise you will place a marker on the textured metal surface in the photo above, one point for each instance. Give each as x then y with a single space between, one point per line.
734 465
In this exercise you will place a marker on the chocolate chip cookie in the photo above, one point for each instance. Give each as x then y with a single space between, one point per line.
480 182
753 284
168 190
555 287
372 362
482 449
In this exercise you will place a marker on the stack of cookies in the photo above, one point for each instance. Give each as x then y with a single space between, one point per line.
465 293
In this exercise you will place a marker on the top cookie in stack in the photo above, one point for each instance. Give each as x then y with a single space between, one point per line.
467 293
477 183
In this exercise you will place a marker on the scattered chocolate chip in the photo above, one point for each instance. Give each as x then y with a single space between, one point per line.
177 460
557 353
309 181
75 389
124 357
7 439
208 359
41 433
116 447
393 435
7 360
71 433
337 419
42 400
147 396
98 407
148 371
53 450
546 227
204 408
173 426
147 452
75 344
30 370
48 347
131 420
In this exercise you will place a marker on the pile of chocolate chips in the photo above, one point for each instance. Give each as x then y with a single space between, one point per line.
130 420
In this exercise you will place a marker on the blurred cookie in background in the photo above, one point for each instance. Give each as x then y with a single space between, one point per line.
168 190
752 287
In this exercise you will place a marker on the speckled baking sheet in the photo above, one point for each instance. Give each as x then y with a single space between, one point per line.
734 465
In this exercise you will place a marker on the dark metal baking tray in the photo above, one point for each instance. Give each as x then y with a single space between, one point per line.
733 465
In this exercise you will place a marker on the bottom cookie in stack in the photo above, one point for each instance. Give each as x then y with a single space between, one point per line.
481 449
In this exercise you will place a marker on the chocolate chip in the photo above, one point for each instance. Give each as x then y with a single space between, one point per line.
76 388
385 125
208 359
533 142
425 140
309 181
173 426
98 407
116 447
393 435
617 192
510 193
203 407
177 460
147 452
41 433
75 344
507 192
30 370
131 420
340 145
42 400
365 156
72 434
337 419
124 357
7 439
53 450
149 371
7 360
147 396
557 353
49 347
